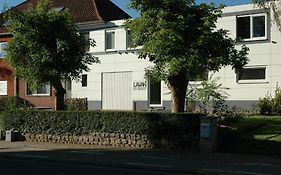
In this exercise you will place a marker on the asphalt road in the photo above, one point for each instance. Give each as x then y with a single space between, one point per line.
32 167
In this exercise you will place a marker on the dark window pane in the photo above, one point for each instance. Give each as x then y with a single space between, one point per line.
110 40
252 74
243 27
84 80
155 92
259 26
129 39
41 90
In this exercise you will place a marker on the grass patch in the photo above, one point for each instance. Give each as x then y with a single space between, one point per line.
255 134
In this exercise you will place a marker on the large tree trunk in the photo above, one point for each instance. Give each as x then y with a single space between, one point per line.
60 92
178 86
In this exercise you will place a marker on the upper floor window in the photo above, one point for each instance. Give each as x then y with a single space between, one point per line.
129 39
3 52
110 40
42 90
252 27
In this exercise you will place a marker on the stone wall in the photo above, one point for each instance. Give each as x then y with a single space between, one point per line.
116 140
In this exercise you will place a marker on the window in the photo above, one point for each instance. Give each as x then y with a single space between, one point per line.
252 27
110 40
41 90
154 93
129 39
84 80
87 40
3 52
257 73
3 88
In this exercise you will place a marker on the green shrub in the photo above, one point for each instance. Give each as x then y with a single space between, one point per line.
12 103
228 117
77 104
277 102
87 122
265 105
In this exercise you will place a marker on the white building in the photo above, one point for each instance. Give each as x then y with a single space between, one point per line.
263 72
118 82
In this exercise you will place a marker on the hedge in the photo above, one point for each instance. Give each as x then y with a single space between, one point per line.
88 122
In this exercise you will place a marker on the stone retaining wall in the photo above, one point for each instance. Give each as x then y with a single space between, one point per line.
113 140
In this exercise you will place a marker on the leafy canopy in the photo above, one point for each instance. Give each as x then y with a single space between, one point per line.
46 45
276 8
181 38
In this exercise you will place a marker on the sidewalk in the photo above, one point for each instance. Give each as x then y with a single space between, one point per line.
160 160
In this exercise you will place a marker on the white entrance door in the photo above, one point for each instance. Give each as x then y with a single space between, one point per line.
117 91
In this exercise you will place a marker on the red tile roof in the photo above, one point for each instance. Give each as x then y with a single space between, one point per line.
81 10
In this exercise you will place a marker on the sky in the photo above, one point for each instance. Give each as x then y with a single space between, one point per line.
124 4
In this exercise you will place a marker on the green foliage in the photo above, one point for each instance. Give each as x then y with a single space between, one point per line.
228 116
277 101
207 94
13 103
268 105
181 39
46 46
83 123
76 104
275 6
265 105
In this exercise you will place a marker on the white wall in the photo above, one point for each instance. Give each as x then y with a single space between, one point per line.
119 60
262 53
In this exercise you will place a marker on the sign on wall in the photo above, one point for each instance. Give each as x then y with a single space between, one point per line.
3 88
139 85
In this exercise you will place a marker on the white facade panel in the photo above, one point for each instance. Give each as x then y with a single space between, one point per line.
99 38
117 91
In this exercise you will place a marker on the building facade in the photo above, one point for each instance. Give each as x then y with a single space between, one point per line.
118 82
262 74
84 12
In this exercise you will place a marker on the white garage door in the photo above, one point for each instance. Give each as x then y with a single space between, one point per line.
117 91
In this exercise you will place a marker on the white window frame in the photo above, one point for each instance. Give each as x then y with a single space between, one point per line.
252 38
161 95
257 81
35 93
4 84
106 32
2 49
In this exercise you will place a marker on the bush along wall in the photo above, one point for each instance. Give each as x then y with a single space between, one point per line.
120 129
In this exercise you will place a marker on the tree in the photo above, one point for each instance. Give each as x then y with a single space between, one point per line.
275 5
46 47
181 39
207 94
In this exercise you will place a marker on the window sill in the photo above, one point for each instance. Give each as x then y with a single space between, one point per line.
252 82
253 40
110 50
155 106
